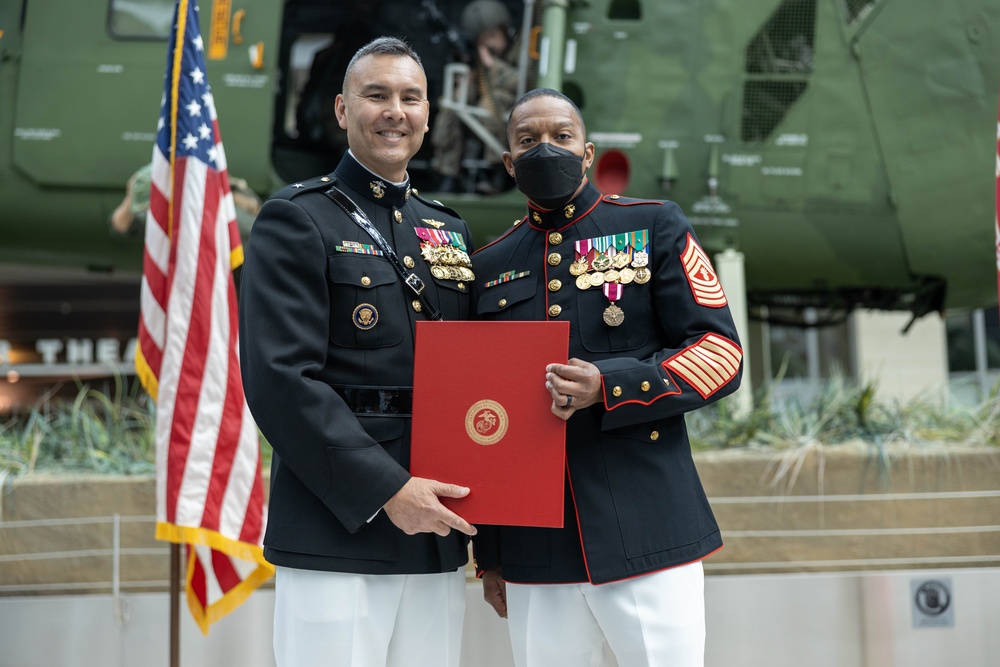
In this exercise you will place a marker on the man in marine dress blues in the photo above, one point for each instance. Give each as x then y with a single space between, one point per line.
369 562
651 338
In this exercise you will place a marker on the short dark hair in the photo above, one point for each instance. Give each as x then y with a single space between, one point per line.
382 46
544 92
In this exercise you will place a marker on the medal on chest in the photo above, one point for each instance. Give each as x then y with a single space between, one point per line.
613 315
611 262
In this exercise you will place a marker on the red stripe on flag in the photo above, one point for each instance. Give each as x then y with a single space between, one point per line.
225 573
196 346
197 583
232 416
159 207
152 353
996 220
157 281
253 522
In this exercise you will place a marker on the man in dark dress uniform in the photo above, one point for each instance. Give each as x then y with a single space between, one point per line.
369 562
651 338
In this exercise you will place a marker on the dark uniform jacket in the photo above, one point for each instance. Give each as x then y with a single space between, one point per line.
634 502
324 320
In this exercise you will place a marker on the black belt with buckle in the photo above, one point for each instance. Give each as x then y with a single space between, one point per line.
377 401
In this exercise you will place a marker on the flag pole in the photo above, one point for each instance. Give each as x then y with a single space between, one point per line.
175 605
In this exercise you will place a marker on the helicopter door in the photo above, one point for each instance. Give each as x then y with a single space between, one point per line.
86 102
91 81
241 51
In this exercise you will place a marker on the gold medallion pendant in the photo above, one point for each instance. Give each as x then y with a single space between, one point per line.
579 267
613 315
583 282
642 276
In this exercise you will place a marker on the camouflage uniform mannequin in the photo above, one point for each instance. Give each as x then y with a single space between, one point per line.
493 87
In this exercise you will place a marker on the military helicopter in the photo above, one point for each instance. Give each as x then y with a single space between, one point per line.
845 147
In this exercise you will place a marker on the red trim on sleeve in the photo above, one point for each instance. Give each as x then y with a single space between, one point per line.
708 365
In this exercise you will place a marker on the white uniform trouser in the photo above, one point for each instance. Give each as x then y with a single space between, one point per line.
333 619
656 620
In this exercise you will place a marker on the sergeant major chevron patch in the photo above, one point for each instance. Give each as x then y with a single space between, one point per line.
708 364
701 276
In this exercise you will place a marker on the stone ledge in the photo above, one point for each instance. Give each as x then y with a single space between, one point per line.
844 507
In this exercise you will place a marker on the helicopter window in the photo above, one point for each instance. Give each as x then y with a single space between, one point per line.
625 10
306 70
857 10
141 18
779 60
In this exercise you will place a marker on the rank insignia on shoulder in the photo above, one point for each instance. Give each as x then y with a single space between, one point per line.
701 276
437 224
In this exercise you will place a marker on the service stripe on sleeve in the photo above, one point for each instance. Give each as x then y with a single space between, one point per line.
701 276
708 364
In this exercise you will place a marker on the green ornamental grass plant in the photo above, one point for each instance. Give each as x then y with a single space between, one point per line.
103 433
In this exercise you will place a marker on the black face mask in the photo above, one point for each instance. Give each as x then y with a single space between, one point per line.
548 175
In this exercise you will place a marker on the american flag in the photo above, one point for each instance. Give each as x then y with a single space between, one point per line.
208 481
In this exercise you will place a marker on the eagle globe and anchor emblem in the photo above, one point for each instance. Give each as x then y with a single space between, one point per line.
486 422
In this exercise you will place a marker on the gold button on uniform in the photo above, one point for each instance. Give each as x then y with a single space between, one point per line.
398 216
555 238
408 262
555 285
555 258
502 302
555 310
655 435
366 281
617 391
416 305
644 386
461 286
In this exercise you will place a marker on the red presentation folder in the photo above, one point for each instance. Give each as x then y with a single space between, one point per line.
482 418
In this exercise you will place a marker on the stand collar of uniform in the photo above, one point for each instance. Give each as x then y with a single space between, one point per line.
371 186
566 215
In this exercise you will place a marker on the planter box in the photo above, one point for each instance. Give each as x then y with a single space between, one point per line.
839 508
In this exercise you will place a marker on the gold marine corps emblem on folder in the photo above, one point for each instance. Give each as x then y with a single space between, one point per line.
486 422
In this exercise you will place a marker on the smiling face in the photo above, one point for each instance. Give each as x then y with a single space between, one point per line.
384 109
